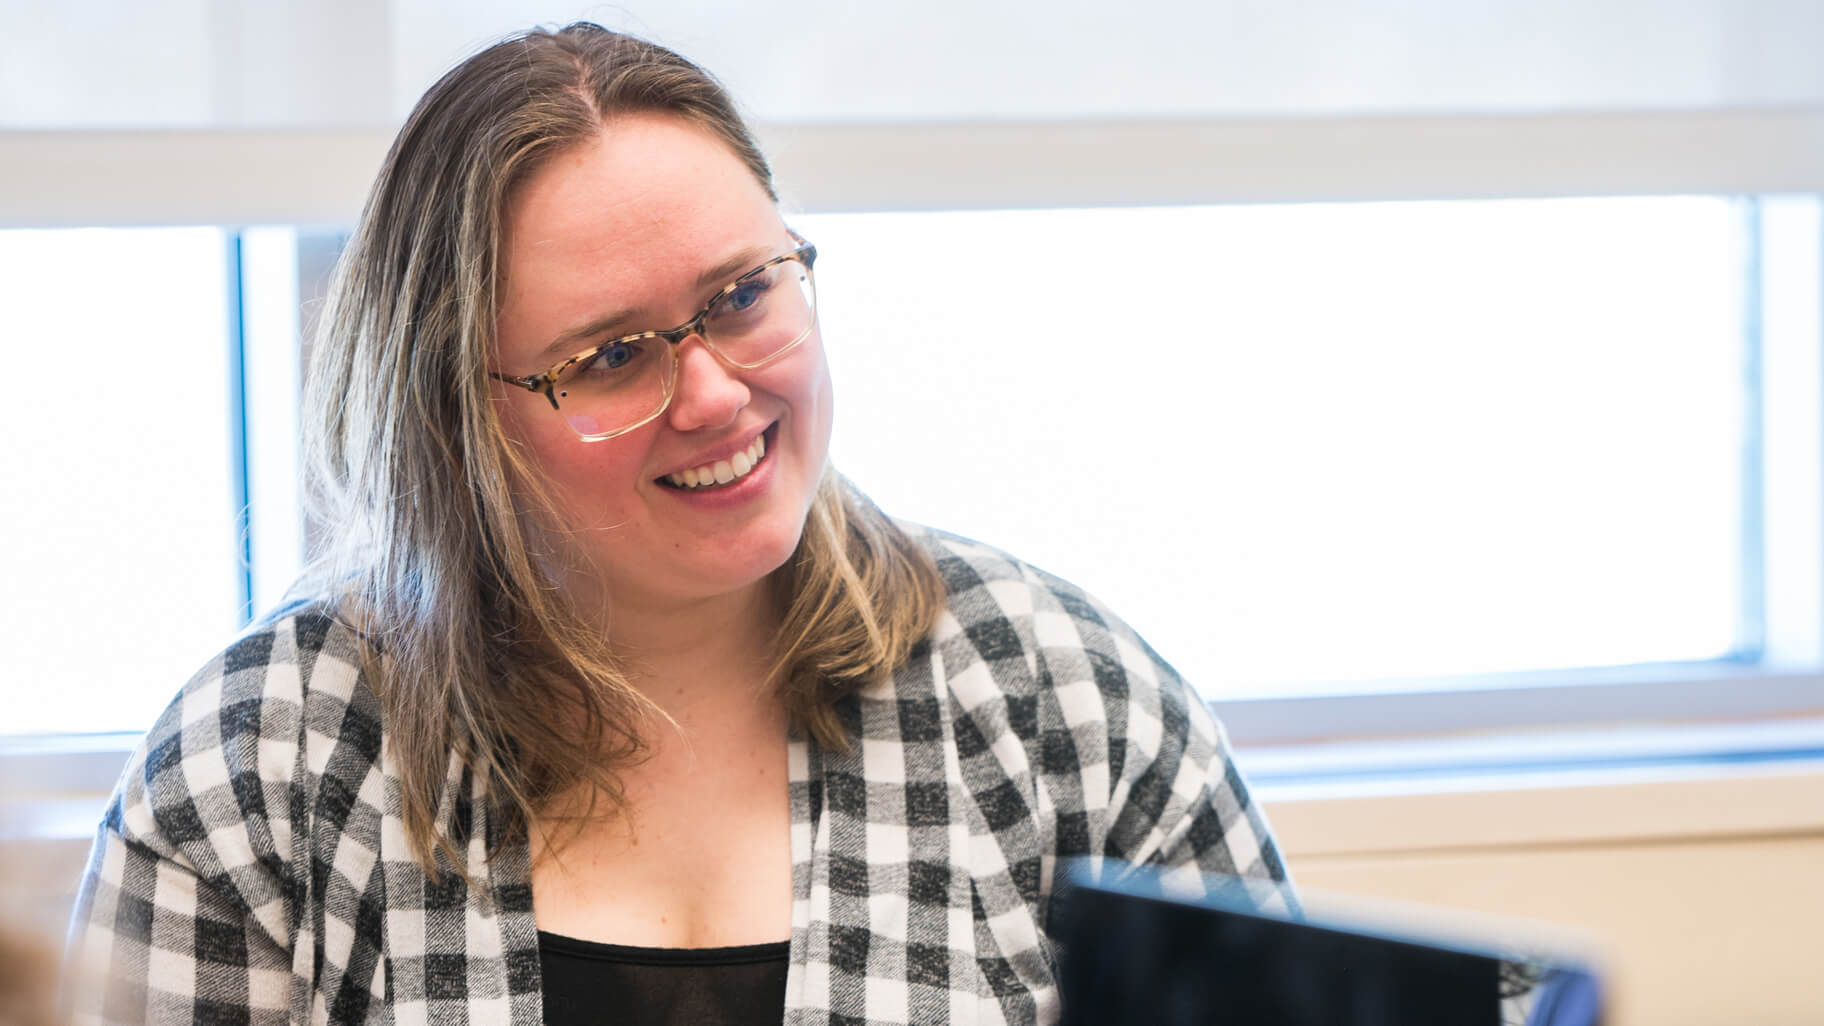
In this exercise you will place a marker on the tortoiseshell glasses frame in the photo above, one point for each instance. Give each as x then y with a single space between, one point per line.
547 382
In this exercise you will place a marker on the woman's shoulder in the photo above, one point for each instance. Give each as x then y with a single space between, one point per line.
1051 693
980 576
250 736
1039 634
954 552
984 583
299 664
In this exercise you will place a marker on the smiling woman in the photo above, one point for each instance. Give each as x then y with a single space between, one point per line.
647 546
605 690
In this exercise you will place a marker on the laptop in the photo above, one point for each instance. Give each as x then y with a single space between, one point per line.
1130 951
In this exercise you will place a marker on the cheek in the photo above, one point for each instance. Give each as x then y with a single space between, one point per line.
814 395
826 406
594 483
588 484
828 409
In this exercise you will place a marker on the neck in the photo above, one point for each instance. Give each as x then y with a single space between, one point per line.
694 654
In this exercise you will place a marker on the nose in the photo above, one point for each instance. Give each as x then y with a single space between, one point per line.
709 393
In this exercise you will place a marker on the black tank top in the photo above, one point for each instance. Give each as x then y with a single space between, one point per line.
589 984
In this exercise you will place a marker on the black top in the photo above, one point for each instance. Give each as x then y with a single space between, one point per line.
590 984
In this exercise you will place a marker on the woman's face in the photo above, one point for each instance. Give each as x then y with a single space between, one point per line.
633 231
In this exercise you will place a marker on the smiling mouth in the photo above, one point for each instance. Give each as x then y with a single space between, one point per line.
722 472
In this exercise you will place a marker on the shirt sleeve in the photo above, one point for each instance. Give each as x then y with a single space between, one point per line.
156 943
1185 805
187 912
1175 799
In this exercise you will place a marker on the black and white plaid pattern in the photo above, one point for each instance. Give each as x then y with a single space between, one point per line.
253 866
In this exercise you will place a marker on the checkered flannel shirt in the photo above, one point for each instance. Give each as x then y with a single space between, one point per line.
253 867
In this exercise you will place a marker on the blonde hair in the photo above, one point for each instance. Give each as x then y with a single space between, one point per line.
420 496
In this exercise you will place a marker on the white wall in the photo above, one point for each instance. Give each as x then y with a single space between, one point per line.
192 111
234 63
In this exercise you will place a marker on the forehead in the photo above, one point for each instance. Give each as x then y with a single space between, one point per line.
626 220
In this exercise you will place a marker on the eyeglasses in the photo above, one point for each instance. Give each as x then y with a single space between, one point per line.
622 384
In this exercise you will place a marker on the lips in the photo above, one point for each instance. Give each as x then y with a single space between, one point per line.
720 472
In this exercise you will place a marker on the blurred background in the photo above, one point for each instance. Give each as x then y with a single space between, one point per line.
1438 385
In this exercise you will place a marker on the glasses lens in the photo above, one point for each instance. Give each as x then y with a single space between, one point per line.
768 312
619 386
625 383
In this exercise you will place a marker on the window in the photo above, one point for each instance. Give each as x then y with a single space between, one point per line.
1340 456
1327 448
123 484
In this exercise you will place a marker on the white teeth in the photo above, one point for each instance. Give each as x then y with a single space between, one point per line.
722 471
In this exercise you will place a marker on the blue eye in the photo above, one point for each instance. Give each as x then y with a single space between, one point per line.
614 357
617 355
747 295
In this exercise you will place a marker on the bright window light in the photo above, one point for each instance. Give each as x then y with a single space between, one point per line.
1307 448
1303 449
121 557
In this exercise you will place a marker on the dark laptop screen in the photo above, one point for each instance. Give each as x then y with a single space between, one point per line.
1127 954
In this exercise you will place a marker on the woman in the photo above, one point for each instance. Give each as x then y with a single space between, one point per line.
614 695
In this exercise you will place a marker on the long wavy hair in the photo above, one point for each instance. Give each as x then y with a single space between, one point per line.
476 657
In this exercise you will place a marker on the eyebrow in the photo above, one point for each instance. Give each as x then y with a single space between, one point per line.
570 342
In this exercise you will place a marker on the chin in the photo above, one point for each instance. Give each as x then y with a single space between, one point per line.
730 564
764 558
